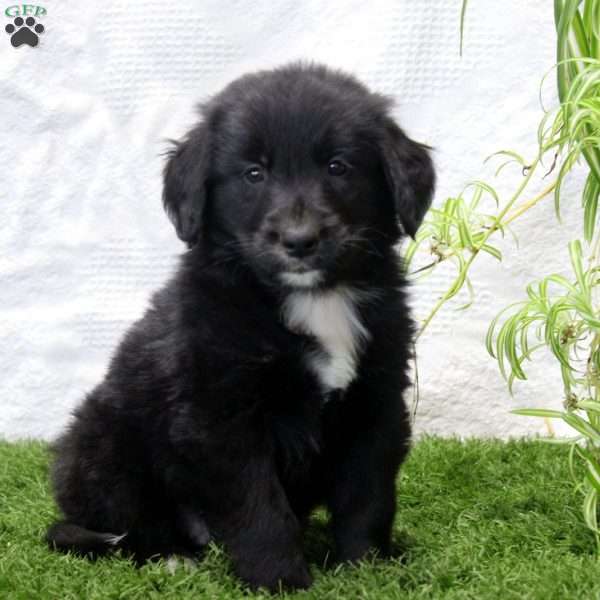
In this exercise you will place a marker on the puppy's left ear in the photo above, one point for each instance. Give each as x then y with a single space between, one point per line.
185 179
410 176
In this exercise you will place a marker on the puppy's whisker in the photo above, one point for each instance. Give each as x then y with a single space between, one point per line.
363 244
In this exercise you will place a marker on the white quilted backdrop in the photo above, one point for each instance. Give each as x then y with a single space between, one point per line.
85 115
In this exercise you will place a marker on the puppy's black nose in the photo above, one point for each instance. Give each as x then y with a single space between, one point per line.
300 242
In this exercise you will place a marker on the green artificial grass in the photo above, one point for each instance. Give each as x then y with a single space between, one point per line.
476 519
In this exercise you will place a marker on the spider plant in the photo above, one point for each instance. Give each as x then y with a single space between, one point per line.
560 313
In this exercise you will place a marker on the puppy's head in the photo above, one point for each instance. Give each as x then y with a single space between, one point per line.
301 173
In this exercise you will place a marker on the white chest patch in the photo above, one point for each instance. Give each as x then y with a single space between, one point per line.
332 318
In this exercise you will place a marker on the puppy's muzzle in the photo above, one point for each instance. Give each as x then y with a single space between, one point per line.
295 241
300 242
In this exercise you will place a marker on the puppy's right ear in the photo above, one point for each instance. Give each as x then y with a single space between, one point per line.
410 174
184 191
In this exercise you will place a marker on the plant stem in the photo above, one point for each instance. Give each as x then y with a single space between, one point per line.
489 232
525 207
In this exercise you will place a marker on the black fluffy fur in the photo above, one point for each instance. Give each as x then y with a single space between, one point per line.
209 422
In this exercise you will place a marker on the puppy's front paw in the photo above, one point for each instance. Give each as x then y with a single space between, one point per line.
275 574
360 549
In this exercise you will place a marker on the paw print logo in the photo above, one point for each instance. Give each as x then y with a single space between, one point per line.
24 32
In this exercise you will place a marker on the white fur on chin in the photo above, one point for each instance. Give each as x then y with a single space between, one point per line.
302 280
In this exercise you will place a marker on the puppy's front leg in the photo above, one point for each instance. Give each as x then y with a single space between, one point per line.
362 499
257 526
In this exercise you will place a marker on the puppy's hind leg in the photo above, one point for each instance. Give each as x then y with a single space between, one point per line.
98 487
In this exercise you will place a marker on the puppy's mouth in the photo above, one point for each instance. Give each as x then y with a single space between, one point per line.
302 277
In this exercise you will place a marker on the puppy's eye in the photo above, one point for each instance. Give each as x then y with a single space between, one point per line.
254 174
336 168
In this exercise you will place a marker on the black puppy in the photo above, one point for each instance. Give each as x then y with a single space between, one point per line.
267 376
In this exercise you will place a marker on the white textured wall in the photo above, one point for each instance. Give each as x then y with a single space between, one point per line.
83 240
